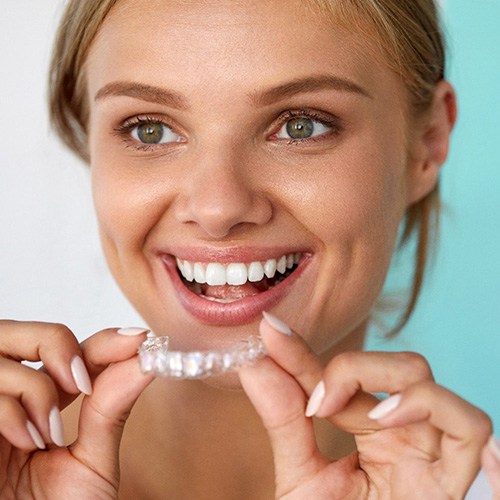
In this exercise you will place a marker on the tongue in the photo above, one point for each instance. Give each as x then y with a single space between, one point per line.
231 292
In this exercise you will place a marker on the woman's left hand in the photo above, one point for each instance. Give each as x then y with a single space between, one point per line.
422 442
490 460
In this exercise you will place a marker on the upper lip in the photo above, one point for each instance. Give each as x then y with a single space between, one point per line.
228 255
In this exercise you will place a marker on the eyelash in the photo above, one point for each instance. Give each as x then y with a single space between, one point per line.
124 130
330 121
333 123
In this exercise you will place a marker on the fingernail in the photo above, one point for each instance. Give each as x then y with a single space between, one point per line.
385 407
316 399
494 445
35 435
81 375
131 331
277 324
56 427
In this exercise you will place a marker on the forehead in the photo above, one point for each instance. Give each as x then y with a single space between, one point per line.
198 44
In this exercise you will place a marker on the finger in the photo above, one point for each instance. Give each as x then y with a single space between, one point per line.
16 427
490 461
372 372
37 394
111 345
101 349
465 429
291 353
279 401
116 388
53 344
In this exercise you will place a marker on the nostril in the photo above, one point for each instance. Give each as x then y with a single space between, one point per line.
220 196
218 217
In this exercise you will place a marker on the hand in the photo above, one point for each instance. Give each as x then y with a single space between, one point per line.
428 446
490 460
30 401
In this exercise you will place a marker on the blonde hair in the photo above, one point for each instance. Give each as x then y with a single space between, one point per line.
407 30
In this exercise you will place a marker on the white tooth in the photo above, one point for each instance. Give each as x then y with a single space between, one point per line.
215 274
281 265
180 266
296 258
255 272
270 268
188 271
199 273
289 261
236 274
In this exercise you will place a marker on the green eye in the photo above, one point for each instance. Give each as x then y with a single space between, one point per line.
152 132
300 128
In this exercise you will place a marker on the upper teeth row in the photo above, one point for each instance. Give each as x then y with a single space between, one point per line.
235 273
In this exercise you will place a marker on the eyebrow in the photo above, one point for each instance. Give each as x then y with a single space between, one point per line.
304 85
159 95
149 93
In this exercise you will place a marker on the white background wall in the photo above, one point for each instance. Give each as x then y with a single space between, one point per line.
51 268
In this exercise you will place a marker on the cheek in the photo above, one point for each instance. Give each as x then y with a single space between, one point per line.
118 210
353 211
126 205
354 200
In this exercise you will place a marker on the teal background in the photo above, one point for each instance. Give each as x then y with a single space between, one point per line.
457 321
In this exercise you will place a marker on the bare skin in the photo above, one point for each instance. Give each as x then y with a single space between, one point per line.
220 88
242 470
182 459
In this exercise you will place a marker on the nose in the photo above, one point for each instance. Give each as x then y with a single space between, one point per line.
222 194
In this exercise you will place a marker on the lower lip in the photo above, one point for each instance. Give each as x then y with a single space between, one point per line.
235 313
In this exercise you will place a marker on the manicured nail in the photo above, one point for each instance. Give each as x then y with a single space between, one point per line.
81 375
56 427
35 435
385 407
277 324
131 331
494 445
316 399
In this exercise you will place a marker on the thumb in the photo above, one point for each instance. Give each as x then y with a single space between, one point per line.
290 351
104 413
280 401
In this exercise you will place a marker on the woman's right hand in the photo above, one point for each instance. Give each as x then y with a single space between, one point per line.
105 367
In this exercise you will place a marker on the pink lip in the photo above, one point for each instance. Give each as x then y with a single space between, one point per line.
235 313
227 254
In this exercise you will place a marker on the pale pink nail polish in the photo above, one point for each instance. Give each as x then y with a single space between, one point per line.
277 324
385 407
316 399
35 435
131 331
81 375
56 427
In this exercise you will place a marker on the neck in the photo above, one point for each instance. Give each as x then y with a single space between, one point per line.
188 439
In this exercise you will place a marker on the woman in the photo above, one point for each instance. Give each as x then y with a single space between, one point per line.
225 139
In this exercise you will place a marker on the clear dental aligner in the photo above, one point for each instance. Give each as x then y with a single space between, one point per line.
154 357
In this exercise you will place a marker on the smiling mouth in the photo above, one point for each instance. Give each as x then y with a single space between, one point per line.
226 283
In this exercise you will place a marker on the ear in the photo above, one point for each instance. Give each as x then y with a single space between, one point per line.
429 148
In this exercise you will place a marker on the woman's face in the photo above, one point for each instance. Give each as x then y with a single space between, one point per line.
232 138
